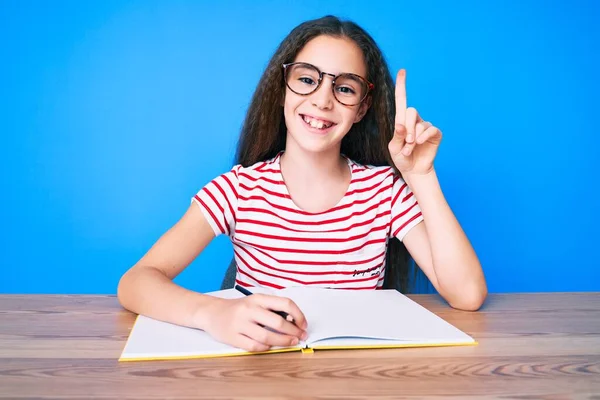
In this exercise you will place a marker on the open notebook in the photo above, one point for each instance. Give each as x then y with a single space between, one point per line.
337 319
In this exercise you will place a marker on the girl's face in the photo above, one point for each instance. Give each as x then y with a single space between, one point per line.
318 122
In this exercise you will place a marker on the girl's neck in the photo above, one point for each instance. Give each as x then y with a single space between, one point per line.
313 168
316 182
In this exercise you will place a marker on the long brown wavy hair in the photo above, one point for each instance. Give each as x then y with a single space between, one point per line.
264 131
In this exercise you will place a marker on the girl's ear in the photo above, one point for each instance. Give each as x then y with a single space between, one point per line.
363 108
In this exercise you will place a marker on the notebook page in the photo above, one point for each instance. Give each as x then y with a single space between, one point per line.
377 314
151 338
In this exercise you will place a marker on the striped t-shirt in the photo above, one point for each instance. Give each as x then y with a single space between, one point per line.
276 244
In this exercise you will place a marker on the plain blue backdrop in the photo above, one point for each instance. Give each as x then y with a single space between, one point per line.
113 114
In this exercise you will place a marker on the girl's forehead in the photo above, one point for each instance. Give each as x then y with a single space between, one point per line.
333 55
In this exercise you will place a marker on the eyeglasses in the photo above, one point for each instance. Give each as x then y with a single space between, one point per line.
348 89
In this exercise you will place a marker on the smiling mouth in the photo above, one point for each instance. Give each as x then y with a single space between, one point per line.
317 123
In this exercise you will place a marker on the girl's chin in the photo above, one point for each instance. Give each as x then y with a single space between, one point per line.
312 143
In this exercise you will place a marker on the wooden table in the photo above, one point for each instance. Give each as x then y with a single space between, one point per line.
530 346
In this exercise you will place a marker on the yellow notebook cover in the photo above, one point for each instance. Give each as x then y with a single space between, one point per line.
337 319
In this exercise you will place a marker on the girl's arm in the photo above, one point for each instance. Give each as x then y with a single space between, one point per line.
441 249
438 245
147 288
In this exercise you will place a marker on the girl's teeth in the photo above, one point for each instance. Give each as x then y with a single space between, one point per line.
316 124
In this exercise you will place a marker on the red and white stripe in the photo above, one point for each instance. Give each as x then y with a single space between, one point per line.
276 244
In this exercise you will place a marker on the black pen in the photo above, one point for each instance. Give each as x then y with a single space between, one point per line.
282 314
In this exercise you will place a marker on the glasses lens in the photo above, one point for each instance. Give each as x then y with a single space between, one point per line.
350 89
302 78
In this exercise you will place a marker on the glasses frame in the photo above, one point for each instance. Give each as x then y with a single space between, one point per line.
369 85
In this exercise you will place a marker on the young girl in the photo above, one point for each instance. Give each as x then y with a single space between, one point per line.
334 182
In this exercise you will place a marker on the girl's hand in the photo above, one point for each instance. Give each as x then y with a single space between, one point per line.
415 141
248 323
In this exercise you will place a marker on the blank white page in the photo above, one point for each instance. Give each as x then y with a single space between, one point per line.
151 338
377 314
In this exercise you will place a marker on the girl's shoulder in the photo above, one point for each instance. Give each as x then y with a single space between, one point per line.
372 172
260 168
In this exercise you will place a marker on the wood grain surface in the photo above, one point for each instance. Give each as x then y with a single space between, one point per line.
531 346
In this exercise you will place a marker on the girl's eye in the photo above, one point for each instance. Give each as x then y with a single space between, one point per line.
307 80
346 90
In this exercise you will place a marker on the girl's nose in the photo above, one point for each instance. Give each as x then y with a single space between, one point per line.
323 96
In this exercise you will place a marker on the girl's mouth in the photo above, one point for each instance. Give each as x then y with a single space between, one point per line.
317 124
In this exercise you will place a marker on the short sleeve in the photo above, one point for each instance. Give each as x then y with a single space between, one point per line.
406 212
218 202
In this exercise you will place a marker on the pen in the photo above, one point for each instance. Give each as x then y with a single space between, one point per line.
282 314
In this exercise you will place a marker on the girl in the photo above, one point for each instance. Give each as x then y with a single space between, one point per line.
334 182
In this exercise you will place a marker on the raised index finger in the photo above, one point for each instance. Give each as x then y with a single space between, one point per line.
401 97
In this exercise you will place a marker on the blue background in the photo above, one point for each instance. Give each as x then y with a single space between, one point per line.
113 114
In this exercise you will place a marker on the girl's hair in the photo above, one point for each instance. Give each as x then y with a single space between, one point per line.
263 133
